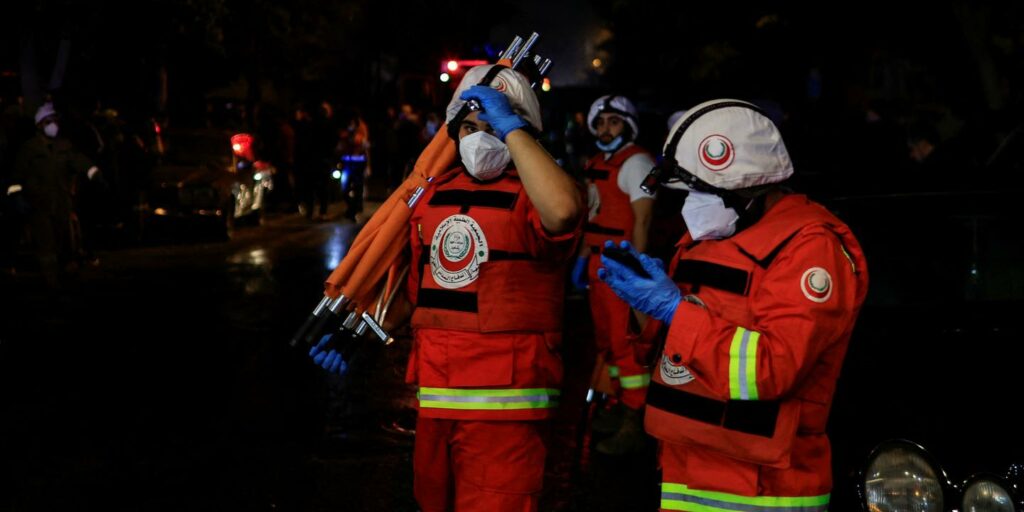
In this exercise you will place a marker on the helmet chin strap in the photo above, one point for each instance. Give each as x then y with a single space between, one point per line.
749 209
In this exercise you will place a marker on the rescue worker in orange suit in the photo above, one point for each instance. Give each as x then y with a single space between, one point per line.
491 243
618 210
755 315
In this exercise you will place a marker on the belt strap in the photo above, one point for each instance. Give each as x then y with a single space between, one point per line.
597 228
446 299
704 273
468 198
747 416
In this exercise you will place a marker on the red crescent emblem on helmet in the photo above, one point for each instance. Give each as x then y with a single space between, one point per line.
716 152
499 84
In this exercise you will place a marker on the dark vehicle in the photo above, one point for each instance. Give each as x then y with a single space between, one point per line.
935 357
208 176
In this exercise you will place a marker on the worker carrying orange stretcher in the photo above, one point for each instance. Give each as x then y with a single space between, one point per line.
492 223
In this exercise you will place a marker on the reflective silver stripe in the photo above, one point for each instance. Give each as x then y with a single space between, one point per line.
482 399
676 496
744 390
725 506
743 365
488 399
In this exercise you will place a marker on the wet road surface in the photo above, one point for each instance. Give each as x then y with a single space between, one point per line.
162 380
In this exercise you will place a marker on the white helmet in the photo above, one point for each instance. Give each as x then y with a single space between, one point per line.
674 118
45 111
612 104
512 83
727 145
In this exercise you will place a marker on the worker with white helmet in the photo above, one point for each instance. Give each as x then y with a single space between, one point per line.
45 168
751 321
491 243
618 210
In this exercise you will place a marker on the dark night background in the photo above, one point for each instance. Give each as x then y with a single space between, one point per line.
161 379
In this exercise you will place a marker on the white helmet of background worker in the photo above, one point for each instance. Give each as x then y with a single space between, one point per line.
726 153
46 118
484 156
617 105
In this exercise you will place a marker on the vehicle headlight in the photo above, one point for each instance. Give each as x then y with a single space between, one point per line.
986 494
901 477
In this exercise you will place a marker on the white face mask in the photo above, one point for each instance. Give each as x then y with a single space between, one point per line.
484 155
50 129
707 217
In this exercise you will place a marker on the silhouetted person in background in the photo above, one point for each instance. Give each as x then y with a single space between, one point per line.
45 169
315 140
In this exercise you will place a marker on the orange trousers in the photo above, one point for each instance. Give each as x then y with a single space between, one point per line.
611 322
469 465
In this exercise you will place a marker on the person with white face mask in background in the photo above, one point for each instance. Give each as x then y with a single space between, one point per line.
44 170
491 241
618 210
750 323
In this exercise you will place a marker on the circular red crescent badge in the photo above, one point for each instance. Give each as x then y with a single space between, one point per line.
457 249
716 152
816 284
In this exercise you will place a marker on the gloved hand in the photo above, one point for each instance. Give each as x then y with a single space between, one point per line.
497 111
328 358
14 203
579 273
656 296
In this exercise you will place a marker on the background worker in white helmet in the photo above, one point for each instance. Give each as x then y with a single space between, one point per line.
618 210
753 319
44 172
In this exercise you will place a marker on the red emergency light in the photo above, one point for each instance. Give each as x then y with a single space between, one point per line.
241 145
453 65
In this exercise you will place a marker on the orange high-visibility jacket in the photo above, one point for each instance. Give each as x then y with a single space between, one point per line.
614 218
488 294
751 357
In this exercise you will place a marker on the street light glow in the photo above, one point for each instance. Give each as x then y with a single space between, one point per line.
445 77
453 65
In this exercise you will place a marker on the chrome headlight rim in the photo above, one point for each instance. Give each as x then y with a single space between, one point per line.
949 489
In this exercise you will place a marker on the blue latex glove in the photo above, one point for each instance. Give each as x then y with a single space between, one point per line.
657 296
579 273
497 111
328 358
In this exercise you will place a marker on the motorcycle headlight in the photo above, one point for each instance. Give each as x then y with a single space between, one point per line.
987 494
900 476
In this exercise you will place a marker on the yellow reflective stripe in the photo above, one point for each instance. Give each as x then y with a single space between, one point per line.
853 266
487 399
680 497
734 364
635 381
743 365
613 371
